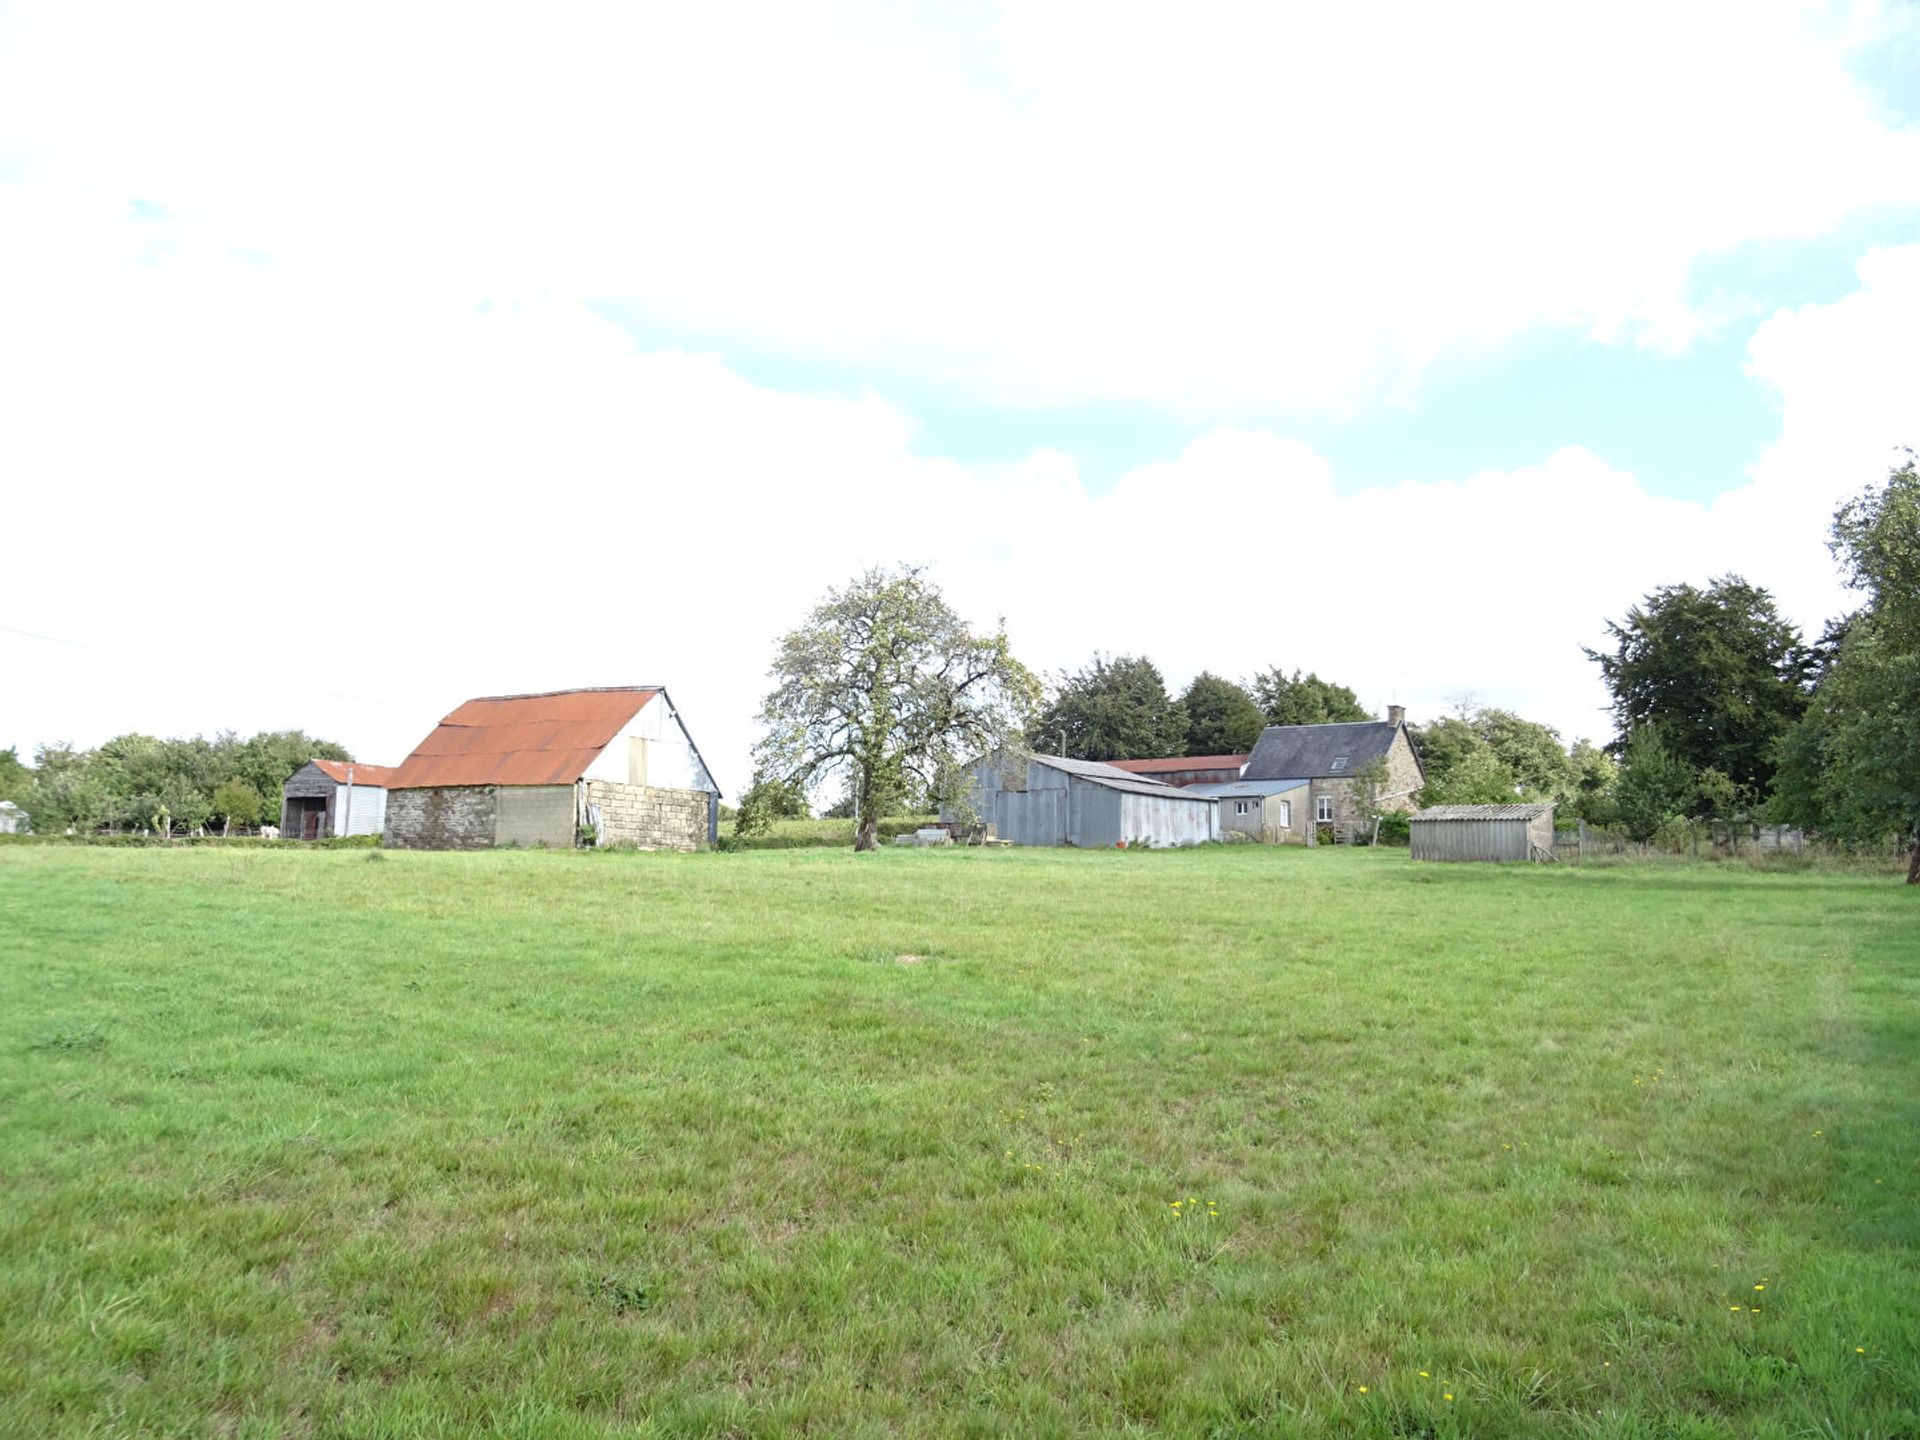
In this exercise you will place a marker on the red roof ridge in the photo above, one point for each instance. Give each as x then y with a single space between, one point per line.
363 773
1182 762
574 690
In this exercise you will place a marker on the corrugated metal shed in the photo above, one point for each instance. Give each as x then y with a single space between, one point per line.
1511 832
1173 764
1047 800
1516 811
1100 773
547 739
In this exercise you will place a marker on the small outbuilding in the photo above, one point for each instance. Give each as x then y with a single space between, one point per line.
1274 812
13 820
334 797
1482 832
1050 800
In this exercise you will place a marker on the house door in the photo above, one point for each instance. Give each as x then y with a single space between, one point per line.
311 821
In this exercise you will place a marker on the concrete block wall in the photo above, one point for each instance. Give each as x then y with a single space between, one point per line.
443 817
649 816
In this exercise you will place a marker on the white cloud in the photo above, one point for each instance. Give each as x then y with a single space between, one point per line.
264 496
1241 210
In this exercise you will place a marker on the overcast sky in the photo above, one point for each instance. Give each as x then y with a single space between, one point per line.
358 359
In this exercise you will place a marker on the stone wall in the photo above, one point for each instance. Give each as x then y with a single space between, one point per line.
441 817
649 817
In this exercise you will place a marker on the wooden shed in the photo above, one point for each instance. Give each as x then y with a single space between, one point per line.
1483 832
334 797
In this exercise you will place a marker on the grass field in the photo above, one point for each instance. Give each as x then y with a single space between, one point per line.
1239 1142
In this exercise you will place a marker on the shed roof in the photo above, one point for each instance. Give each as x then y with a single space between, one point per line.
546 739
376 775
1115 779
1311 750
1174 764
1482 812
1246 789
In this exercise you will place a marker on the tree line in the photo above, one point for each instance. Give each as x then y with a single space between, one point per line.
140 783
1724 708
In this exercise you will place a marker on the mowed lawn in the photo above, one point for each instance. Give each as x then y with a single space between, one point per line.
1241 1142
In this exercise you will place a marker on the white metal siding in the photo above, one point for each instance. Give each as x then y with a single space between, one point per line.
1151 820
369 813
671 763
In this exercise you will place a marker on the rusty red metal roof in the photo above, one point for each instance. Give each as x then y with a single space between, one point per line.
380 775
1180 762
547 739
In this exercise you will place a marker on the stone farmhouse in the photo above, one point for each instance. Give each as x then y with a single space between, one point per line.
1300 778
559 769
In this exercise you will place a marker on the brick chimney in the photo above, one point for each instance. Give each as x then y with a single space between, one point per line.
1396 714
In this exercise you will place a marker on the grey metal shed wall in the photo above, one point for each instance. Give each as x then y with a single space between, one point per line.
1496 840
1094 819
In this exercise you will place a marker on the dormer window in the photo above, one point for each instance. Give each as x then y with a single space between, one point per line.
1339 763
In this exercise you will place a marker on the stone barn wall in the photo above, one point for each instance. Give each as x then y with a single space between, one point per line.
648 816
441 817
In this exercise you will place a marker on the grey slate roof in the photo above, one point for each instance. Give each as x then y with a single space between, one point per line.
1115 779
1245 789
1482 812
1310 750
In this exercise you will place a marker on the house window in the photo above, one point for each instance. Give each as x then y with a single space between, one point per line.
1243 807
1286 814
1323 809
1339 763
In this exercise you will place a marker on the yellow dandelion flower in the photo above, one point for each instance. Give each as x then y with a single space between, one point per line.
1759 1287
1447 1396
1363 1389
1733 1307
1425 1376
1859 1349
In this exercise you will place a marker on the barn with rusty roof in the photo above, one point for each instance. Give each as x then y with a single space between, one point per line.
602 767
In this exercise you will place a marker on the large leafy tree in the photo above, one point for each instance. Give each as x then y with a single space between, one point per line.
1298 699
885 687
1655 786
1718 670
1851 767
1485 756
1115 709
15 778
1595 775
1222 718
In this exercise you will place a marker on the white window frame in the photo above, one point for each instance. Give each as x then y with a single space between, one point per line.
1339 763
1286 814
1243 807
1323 809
